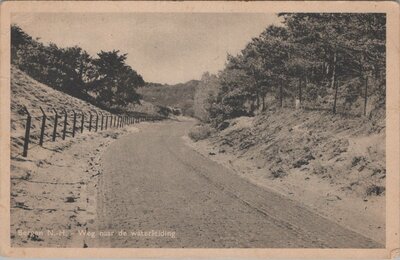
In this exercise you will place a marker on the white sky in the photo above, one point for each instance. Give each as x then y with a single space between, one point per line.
162 47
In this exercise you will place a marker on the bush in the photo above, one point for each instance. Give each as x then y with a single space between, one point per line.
200 132
375 190
278 173
223 125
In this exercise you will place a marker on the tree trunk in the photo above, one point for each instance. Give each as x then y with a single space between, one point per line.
263 103
281 94
365 96
300 92
304 86
252 107
333 82
258 99
335 98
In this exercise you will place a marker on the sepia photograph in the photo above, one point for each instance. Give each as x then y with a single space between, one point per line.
199 129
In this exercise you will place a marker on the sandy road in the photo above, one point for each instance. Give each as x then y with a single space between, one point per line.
153 182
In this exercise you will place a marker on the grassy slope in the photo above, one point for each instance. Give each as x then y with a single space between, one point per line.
348 152
25 91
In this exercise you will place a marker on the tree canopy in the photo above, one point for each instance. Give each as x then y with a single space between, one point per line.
318 59
107 78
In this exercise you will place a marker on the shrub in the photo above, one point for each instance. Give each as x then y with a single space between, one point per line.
375 190
200 132
278 172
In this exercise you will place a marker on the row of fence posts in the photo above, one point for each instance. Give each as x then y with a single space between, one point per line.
106 121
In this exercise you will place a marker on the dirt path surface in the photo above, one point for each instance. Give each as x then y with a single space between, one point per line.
164 194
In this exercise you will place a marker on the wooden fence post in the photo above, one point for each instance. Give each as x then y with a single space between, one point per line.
82 121
27 132
97 120
65 123
42 127
73 124
106 121
90 121
55 124
102 119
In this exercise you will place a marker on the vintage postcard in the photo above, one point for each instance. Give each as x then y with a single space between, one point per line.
200 129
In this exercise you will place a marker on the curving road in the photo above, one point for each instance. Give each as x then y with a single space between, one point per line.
152 182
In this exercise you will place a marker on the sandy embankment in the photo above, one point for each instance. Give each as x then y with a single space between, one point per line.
53 190
328 197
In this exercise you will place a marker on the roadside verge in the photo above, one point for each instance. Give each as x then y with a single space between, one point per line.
57 184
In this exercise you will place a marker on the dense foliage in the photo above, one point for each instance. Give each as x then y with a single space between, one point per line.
106 79
178 96
318 61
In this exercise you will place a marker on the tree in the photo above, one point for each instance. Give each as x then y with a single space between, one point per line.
73 71
115 82
205 90
344 46
318 57
275 49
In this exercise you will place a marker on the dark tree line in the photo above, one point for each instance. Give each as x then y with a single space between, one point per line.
105 79
312 58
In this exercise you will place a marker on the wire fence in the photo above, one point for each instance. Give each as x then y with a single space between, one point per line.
34 127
